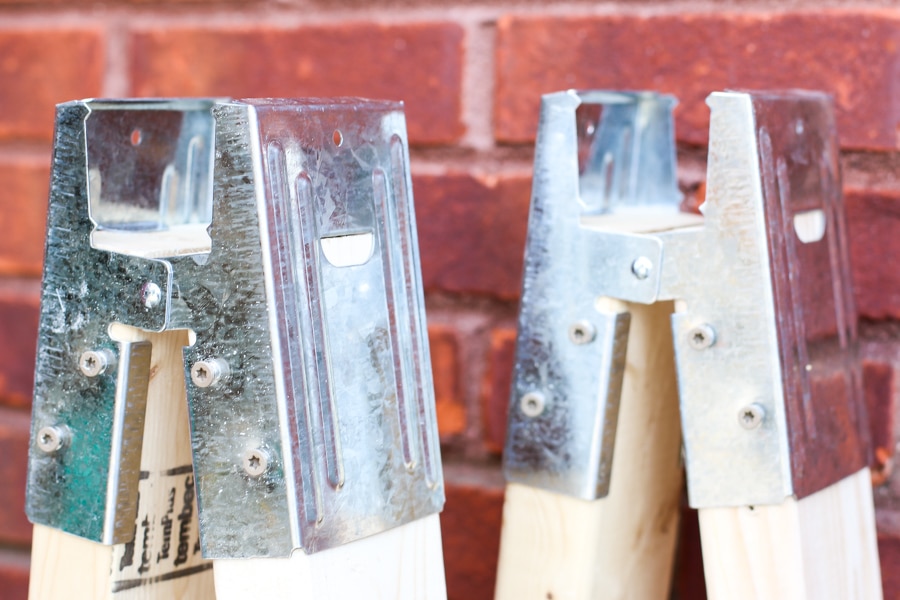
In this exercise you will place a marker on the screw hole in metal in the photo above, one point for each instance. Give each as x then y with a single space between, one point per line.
136 137
337 137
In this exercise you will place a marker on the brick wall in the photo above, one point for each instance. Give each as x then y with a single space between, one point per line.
471 73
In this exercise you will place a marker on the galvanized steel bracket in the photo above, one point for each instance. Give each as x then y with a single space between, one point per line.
282 234
597 153
764 329
773 407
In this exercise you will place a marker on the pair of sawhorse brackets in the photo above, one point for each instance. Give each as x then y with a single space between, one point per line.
281 233
764 326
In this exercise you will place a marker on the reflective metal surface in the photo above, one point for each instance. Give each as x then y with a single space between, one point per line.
596 154
306 292
764 329
769 272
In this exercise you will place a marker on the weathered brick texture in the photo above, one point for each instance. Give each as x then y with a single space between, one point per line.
14 426
451 412
470 527
19 306
687 580
23 214
40 67
889 552
13 575
420 64
852 54
879 381
495 394
472 232
873 220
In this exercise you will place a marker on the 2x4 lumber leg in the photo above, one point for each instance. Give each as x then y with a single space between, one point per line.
819 548
622 546
403 563
163 562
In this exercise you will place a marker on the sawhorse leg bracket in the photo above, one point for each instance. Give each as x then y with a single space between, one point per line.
752 300
233 392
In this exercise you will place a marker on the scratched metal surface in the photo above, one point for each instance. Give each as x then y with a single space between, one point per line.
781 309
77 489
597 153
329 368
721 273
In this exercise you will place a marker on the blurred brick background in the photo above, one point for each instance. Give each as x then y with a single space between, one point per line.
471 73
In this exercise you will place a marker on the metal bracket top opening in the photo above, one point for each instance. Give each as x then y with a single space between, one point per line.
149 167
626 153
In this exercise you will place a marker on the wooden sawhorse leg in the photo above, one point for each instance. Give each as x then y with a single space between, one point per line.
163 562
822 546
620 546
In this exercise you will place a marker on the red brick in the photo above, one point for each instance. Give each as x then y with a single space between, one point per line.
13 575
23 215
89 3
470 528
688 581
878 382
14 428
420 64
889 554
40 68
498 381
853 54
472 233
451 412
19 309
873 221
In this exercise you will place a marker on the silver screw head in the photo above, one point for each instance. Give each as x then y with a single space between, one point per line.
701 337
256 462
209 372
582 332
151 295
51 439
751 416
532 404
94 362
641 267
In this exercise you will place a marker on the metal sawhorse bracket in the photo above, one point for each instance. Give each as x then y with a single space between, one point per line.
753 304
263 251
